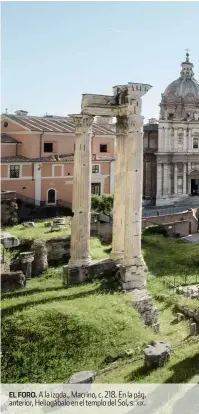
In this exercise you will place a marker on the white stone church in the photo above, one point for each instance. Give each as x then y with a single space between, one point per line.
177 156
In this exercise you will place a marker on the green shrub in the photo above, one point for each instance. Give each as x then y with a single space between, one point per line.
102 204
155 229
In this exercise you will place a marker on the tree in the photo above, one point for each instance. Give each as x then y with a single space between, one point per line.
102 204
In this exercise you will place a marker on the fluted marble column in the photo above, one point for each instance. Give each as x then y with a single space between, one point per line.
119 190
165 178
159 180
185 141
81 201
133 269
184 178
175 178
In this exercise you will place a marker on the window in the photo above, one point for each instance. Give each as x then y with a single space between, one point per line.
48 147
51 196
14 171
103 148
180 138
95 169
96 188
195 143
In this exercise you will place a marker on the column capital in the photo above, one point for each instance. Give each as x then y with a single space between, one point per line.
82 122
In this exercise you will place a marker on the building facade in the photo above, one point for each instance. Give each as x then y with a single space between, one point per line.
178 140
37 156
38 152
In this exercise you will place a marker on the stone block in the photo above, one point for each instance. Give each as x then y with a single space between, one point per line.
74 275
94 270
193 329
57 227
156 354
142 302
180 290
58 250
26 257
59 220
129 352
9 241
111 358
82 377
12 281
40 252
29 224
180 316
47 224
156 327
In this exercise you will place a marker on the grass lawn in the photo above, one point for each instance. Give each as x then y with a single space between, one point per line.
39 231
49 332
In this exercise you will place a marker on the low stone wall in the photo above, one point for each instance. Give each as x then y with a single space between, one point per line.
9 209
46 252
183 223
189 312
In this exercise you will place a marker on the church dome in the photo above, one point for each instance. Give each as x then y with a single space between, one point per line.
180 99
186 84
182 87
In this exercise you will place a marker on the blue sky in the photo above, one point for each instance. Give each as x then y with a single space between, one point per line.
52 52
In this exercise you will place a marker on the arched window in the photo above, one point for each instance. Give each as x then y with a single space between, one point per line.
51 196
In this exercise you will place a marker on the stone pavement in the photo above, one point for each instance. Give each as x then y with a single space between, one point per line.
192 238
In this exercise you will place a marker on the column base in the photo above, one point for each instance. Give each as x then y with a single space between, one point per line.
94 270
74 263
134 276
118 257
74 275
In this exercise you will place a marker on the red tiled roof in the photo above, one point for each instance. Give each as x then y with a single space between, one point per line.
6 139
15 159
55 124
53 158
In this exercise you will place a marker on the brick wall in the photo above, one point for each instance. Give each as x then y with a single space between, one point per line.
186 222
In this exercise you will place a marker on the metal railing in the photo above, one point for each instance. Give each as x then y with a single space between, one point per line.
163 211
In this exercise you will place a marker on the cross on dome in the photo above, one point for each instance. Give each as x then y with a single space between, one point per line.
187 55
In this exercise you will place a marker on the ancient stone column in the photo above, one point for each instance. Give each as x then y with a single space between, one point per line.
119 190
81 202
40 252
26 259
159 180
185 141
165 182
133 269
